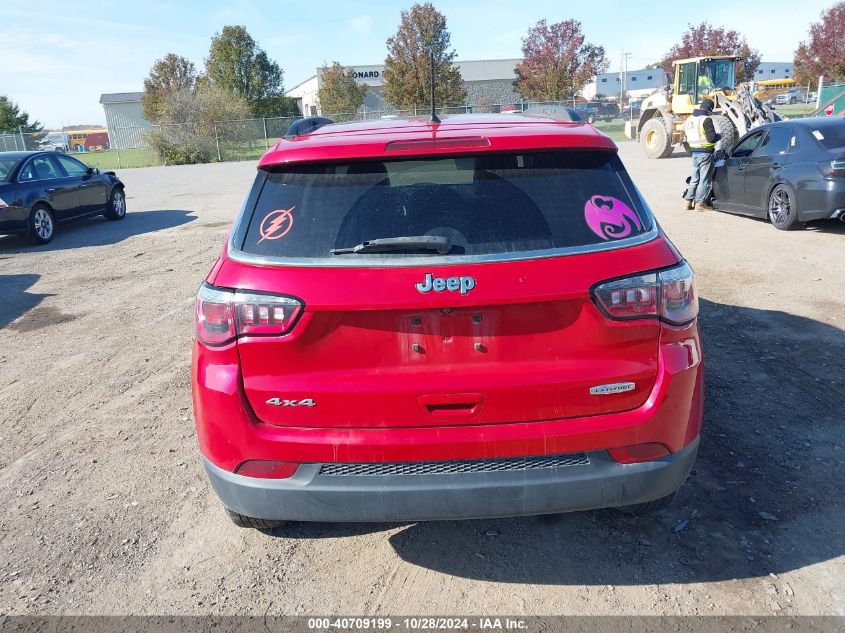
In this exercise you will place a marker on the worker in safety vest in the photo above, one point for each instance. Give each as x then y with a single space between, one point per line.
705 84
702 138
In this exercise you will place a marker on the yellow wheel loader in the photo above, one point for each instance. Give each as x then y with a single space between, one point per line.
660 127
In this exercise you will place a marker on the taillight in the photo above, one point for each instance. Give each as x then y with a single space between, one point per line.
833 168
265 315
628 298
667 294
215 318
678 297
222 315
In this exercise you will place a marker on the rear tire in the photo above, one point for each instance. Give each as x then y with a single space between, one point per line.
649 507
655 139
591 119
116 207
725 127
781 209
42 225
251 522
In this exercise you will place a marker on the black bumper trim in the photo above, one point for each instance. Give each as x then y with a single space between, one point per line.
309 496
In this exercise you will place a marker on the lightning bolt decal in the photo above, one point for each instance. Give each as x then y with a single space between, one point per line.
273 221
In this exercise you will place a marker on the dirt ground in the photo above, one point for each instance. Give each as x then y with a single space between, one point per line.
105 508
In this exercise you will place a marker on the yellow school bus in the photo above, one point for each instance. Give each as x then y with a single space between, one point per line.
80 139
768 88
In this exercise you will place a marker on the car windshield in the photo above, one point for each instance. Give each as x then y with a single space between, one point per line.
7 166
482 204
720 73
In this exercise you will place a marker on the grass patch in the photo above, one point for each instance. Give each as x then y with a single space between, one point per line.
614 129
120 159
796 110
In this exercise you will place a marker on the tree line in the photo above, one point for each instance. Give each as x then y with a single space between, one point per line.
557 60
240 81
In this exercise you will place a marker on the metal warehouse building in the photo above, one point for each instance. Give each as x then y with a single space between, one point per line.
485 81
637 83
125 119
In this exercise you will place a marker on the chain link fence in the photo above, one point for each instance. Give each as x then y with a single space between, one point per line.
220 141
249 139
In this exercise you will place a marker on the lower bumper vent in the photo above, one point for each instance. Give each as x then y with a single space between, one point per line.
456 467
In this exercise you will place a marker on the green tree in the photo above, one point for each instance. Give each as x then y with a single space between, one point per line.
339 93
557 61
12 118
407 68
238 66
172 73
824 52
196 137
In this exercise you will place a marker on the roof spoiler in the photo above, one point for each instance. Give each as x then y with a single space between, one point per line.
306 125
558 112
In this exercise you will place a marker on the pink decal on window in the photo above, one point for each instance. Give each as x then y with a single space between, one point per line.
610 218
276 224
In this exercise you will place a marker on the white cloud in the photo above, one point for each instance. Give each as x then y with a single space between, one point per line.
361 23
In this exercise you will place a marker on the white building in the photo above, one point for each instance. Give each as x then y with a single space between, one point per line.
637 83
774 70
485 80
125 119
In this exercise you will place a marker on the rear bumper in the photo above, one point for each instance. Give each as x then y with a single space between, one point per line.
312 496
821 200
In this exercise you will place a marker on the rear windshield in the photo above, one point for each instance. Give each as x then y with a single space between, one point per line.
483 205
830 136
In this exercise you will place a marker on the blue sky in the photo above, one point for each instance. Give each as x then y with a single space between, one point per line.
58 58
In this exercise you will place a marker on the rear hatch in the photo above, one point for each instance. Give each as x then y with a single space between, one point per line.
501 328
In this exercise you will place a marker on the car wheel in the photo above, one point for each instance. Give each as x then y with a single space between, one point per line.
41 224
650 507
655 139
590 118
116 208
250 522
782 212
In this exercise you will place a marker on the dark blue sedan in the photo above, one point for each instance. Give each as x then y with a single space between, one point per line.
39 190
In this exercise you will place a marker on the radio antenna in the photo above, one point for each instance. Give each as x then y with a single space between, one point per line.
433 118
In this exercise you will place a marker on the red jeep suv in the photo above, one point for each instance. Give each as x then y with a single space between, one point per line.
477 317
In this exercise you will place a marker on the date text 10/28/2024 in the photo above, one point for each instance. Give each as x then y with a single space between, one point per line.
417 624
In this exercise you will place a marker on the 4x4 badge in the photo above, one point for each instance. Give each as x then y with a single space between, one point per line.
284 402
439 284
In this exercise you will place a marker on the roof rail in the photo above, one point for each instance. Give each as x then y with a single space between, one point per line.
559 112
306 125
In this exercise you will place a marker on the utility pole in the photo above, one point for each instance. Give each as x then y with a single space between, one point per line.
623 71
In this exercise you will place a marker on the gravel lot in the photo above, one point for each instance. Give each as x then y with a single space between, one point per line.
105 509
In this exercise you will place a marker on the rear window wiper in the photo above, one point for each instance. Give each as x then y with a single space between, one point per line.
435 243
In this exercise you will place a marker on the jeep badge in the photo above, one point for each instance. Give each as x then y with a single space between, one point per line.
439 284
